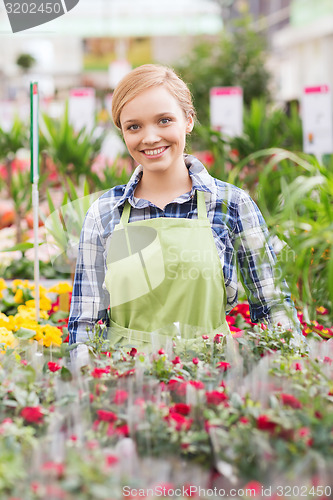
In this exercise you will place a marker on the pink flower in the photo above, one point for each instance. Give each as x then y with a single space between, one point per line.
176 360
255 488
111 460
99 372
53 367
195 361
290 400
57 468
244 420
106 416
205 337
298 367
197 384
161 351
224 366
120 397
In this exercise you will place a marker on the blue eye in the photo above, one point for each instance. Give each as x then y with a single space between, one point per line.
164 121
133 127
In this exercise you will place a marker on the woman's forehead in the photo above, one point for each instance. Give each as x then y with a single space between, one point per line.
152 101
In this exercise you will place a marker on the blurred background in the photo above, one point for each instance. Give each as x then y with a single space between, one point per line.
90 44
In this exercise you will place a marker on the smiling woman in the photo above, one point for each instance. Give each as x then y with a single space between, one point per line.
161 252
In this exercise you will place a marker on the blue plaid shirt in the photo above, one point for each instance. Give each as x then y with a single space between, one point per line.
240 236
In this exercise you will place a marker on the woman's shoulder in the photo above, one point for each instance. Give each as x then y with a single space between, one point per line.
226 191
102 210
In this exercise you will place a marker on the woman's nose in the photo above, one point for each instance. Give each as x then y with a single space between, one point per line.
150 136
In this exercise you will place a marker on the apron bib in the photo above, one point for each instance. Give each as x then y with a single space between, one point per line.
165 279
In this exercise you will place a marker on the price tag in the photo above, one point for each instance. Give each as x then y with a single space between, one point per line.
81 110
317 118
226 110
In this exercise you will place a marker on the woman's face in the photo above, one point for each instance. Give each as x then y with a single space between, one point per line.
154 127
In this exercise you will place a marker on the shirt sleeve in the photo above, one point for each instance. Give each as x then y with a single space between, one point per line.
90 300
268 296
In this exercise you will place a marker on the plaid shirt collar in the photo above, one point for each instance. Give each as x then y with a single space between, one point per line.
201 181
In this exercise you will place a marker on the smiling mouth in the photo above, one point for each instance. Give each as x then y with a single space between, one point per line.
154 152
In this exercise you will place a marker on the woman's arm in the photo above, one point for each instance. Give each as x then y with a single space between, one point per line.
90 299
268 295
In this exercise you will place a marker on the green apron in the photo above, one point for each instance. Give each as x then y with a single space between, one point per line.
165 280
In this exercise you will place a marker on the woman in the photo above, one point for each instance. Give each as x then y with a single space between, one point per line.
161 251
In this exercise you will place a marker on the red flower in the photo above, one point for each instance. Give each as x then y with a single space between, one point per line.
56 468
205 337
32 414
111 460
195 361
161 351
98 372
181 422
230 320
133 352
180 408
215 397
255 488
224 366
176 361
106 416
120 397
265 424
122 430
53 367
243 309
298 367
197 384
217 338
244 420
290 400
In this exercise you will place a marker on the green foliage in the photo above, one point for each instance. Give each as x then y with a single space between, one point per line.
25 61
13 140
236 58
295 195
73 152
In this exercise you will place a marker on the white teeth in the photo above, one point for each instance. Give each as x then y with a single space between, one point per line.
153 152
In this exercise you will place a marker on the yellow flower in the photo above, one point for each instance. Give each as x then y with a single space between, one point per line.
49 334
18 298
3 286
44 305
4 320
61 287
7 339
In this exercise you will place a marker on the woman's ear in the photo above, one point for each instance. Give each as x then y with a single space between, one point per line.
190 124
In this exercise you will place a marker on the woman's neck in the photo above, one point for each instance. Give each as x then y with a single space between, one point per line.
161 188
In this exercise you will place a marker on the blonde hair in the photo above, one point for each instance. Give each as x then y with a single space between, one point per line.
145 77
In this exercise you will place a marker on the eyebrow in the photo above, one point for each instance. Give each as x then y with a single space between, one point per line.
167 113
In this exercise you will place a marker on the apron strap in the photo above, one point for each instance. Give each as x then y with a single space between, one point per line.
126 213
201 202
202 211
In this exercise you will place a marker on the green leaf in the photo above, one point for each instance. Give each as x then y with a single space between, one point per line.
65 374
25 333
22 247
